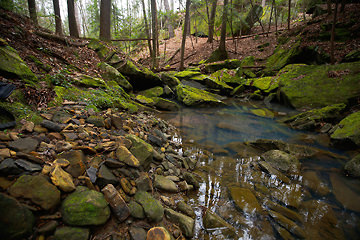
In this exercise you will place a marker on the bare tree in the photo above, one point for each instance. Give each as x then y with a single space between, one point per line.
147 31
105 20
212 21
167 19
58 23
73 28
32 11
186 25
155 61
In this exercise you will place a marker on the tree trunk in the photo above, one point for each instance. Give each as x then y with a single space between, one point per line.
271 13
289 12
58 23
332 44
186 25
105 20
212 21
328 4
169 25
147 31
32 11
154 34
72 19
343 3
222 47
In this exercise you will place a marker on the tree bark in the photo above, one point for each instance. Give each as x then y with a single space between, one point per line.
155 62
32 11
212 21
186 23
147 31
105 20
332 44
168 22
73 28
289 12
58 23
328 4
222 47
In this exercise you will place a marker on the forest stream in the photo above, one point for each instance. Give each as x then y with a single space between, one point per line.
317 197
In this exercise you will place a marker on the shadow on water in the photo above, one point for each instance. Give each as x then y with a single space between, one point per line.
315 201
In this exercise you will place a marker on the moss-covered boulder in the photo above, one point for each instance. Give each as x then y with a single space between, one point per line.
264 84
152 92
12 66
228 64
110 73
165 104
88 81
153 209
191 96
302 86
315 118
229 77
139 77
85 207
144 100
100 48
347 132
169 80
217 55
352 56
188 74
352 167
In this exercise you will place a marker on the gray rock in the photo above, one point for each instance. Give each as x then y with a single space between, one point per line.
141 150
163 183
85 207
144 183
155 140
16 221
185 223
153 209
48 228
24 145
137 233
72 233
51 126
105 177
38 189
28 166
98 121
8 167
352 167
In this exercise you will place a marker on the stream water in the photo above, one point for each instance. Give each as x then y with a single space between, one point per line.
318 201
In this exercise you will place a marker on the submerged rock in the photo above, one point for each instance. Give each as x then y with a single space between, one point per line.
281 160
288 224
245 200
85 207
344 194
212 220
347 134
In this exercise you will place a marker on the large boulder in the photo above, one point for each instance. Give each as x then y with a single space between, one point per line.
191 96
303 86
85 207
38 189
109 73
153 209
12 66
16 221
347 133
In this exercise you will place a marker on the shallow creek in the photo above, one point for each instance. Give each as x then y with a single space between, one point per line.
315 202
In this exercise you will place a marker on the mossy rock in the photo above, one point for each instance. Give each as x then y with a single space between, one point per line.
152 92
100 48
341 34
191 96
187 74
153 209
217 55
71 233
141 150
85 207
353 56
352 167
315 118
110 73
88 81
165 104
347 133
302 86
139 77
12 66
218 84
144 100
228 64
264 84
229 77
169 80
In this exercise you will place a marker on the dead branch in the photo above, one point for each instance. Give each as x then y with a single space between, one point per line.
253 35
60 39
172 57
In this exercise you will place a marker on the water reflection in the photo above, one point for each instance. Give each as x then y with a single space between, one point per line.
315 202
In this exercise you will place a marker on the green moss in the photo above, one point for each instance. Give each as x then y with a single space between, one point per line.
216 56
110 73
229 77
228 64
265 84
145 100
348 129
38 63
152 92
88 81
191 96
187 74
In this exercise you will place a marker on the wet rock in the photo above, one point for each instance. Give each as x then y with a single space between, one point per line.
105 177
16 221
8 167
28 166
136 210
212 220
190 178
288 224
165 104
347 134
71 233
294 216
352 167
62 179
185 223
76 160
137 233
281 160
158 233
38 190
51 126
314 183
266 167
144 183
245 200
117 203
141 150
186 209
125 156
152 207
345 195
24 145
163 183
98 121
85 207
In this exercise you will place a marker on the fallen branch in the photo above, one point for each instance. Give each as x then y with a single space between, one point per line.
59 39
253 35
185 58
172 57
